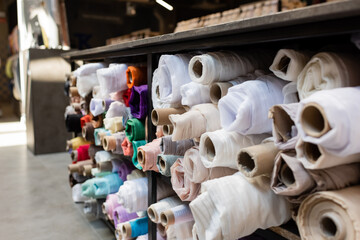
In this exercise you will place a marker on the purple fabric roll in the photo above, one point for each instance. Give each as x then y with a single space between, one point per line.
123 168
138 101
120 215
106 104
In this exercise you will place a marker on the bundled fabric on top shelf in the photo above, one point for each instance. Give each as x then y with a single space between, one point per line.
112 79
86 77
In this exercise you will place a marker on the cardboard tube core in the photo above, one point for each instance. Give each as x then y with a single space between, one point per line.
154 117
167 218
283 64
197 69
109 143
73 168
282 123
313 120
328 227
311 151
246 162
286 175
168 129
87 170
160 116
126 230
210 148
162 164
141 156
218 90
161 229
152 214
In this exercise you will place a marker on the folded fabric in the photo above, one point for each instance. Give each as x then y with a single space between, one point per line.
284 130
134 228
220 148
160 116
164 163
112 79
170 75
114 124
136 145
154 210
290 93
176 215
96 107
331 215
192 124
327 70
135 130
136 76
329 118
110 205
75 143
170 147
194 93
73 123
127 147
76 194
147 155
245 107
220 215
88 132
120 215
116 109
100 187
225 65
84 120
93 208
138 101
288 63
99 133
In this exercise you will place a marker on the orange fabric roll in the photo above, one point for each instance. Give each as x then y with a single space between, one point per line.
85 119
136 76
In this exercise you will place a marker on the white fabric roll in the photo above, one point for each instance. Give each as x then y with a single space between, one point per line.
290 93
155 92
342 110
155 210
114 124
327 71
170 75
96 107
194 93
135 174
245 107
200 119
220 148
87 69
183 231
85 84
112 79
182 214
233 207
76 194
288 63
116 109
224 66
103 156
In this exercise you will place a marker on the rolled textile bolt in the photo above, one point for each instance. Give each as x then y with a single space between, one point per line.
286 175
257 160
76 167
104 166
96 106
168 129
218 90
88 132
161 230
87 170
126 230
141 156
97 121
135 228
313 120
176 215
74 92
167 218
109 143
106 104
102 135
136 76
160 116
154 210
164 163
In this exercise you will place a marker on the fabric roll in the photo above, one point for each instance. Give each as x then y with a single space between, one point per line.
93 209
88 132
93 150
284 130
104 166
194 93
114 124
106 104
327 70
98 133
192 124
136 76
288 63
135 228
290 93
176 215
96 107
86 77
225 66
126 97
96 92
84 120
86 103
75 143
76 194
244 109
110 205
97 121
127 147
103 156
135 174
220 148
218 215
257 160
120 215
160 116
75 178
164 163
119 138
76 167
127 115
116 109
124 169
319 122
100 187
73 92
138 101
86 170
72 123
168 130
87 69
69 110
147 155
154 210
169 147
331 215
135 130
82 153
112 79
170 75
136 145
184 230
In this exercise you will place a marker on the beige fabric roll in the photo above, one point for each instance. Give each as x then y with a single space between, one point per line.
114 124
160 116
167 129
257 160
192 124
75 167
331 215
313 156
104 166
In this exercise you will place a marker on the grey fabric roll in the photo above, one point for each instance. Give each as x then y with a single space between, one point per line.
93 208
164 163
169 147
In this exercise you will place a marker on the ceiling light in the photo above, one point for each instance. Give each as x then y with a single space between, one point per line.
165 5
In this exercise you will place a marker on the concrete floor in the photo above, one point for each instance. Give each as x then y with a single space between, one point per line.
35 198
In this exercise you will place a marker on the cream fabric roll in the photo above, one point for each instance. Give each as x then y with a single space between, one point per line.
220 148
114 124
192 124
116 109
155 92
184 230
170 147
225 65
96 106
284 129
330 215
245 107
327 70
154 210
290 93
219 210
135 174
112 79
194 93
288 63
341 110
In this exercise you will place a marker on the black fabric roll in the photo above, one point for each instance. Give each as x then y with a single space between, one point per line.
72 123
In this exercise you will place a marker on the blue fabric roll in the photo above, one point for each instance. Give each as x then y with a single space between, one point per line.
139 227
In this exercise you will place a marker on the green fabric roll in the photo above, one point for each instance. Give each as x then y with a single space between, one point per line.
135 145
169 161
135 130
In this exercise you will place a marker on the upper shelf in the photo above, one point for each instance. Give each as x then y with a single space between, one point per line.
317 20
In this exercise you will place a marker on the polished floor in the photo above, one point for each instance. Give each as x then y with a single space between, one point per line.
35 197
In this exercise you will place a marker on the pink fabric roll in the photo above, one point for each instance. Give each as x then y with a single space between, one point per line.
110 205
152 150
127 147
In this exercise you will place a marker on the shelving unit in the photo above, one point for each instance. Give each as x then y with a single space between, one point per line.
317 25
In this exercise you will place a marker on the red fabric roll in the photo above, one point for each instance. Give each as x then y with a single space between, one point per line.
126 96
85 119
83 152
